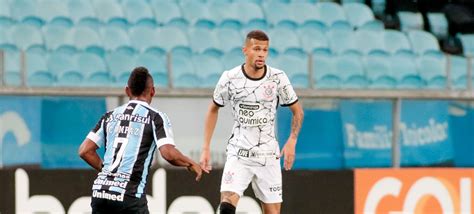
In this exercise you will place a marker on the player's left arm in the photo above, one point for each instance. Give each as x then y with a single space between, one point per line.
288 151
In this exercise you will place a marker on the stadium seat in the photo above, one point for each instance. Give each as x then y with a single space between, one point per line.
174 40
458 66
168 13
296 68
467 41
83 14
229 39
54 12
251 15
110 12
65 68
26 11
361 17
370 42
284 40
226 14
197 14
5 43
87 39
139 13
304 14
116 39
6 19
183 73
432 70
324 71
208 68
423 42
12 73
94 69
342 42
350 69
279 14
396 42
232 59
26 37
410 20
120 65
58 38
313 40
378 6
377 68
156 65
202 40
37 70
438 24
146 39
331 14
404 69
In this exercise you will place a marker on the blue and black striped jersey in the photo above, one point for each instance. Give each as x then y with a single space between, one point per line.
130 134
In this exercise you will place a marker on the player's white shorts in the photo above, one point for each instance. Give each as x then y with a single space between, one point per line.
266 180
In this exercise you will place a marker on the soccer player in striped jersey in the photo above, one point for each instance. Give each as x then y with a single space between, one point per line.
130 134
253 90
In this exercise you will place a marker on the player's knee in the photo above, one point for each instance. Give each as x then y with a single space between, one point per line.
226 208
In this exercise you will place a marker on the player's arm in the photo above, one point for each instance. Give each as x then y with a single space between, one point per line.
88 152
288 150
176 158
209 126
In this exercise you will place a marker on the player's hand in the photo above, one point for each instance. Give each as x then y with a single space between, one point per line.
205 160
288 153
196 169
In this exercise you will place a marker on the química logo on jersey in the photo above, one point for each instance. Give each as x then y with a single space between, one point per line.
250 115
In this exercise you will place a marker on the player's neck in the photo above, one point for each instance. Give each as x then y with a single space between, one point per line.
252 72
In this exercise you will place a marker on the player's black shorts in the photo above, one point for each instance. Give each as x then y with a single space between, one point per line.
128 205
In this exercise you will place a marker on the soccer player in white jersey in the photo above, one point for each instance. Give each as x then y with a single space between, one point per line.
253 90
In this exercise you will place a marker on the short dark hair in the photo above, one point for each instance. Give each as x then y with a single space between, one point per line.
258 35
138 80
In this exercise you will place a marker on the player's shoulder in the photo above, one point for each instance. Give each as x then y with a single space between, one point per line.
272 71
234 71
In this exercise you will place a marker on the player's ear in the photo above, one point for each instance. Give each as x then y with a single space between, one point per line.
152 91
128 92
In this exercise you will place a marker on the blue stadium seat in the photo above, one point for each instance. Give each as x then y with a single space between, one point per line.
423 42
225 14
313 40
305 16
377 68
370 42
168 13
284 40
331 14
65 68
87 39
120 65
5 43
405 71
251 15
342 42
296 68
397 42
209 69
156 65
82 13
37 70
116 39
324 71
279 14
378 6
183 74
438 24
54 12
139 13
12 68
467 41
432 70
203 40
410 20
94 69
229 39
110 12
174 40
26 37
6 19
197 14
58 38
232 59
361 17
146 39
351 71
26 11
458 71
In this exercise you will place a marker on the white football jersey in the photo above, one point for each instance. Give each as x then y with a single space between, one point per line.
254 103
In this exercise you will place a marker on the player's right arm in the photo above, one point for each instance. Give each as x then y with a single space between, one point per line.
209 126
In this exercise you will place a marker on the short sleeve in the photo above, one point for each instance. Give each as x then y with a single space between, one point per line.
162 131
97 134
221 92
286 92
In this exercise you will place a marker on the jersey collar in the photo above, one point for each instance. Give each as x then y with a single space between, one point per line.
140 102
251 78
